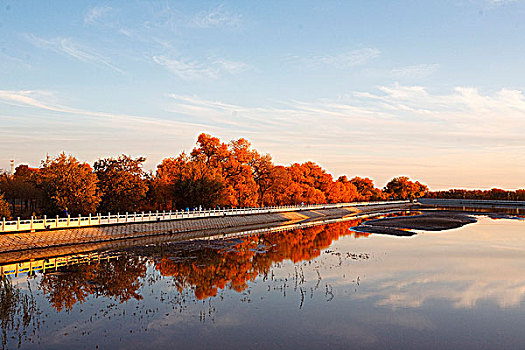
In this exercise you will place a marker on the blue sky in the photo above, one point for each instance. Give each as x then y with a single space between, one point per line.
428 89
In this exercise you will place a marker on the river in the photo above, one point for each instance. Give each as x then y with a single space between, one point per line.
324 286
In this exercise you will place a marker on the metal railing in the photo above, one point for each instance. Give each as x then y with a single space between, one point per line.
46 223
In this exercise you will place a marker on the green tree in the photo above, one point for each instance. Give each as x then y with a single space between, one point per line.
69 185
122 182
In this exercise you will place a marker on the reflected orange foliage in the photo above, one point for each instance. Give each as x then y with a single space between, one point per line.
233 267
118 279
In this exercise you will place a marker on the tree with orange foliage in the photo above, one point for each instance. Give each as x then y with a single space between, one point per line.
311 183
366 189
262 167
69 185
342 191
22 188
238 172
4 207
186 182
122 183
402 188
280 189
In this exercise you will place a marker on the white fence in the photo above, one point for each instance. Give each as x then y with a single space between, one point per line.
57 222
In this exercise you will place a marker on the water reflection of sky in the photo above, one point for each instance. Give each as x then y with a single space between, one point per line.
461 288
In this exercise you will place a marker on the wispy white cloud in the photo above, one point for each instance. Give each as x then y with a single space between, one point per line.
212 68
67 47
47 100
217 17
343 60
414 72
501 2
95 14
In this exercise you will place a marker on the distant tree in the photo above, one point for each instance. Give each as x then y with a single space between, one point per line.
494 194
122 182
402 188
69 185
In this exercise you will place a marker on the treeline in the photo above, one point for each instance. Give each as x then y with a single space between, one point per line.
492 194
213 174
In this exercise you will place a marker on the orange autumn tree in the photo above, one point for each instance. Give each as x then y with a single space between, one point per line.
311 183
185 182
122 183
236 175
280 187
4 207
366 189
238 172
69 185
403 188
22 187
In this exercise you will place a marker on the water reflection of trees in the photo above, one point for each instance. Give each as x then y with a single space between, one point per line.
204 268
118 279
17 312
233 266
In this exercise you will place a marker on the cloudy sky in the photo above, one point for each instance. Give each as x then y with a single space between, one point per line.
428 89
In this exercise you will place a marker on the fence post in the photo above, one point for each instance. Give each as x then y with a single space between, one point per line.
109 217
45 221
68 219
79 217
118 217
126 216
18 223
89 219
56 221
31 223
3 224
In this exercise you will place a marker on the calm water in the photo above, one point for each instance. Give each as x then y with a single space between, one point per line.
323 286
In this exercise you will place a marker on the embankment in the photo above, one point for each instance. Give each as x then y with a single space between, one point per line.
23 244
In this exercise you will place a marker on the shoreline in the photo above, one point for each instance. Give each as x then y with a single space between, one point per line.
428 221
